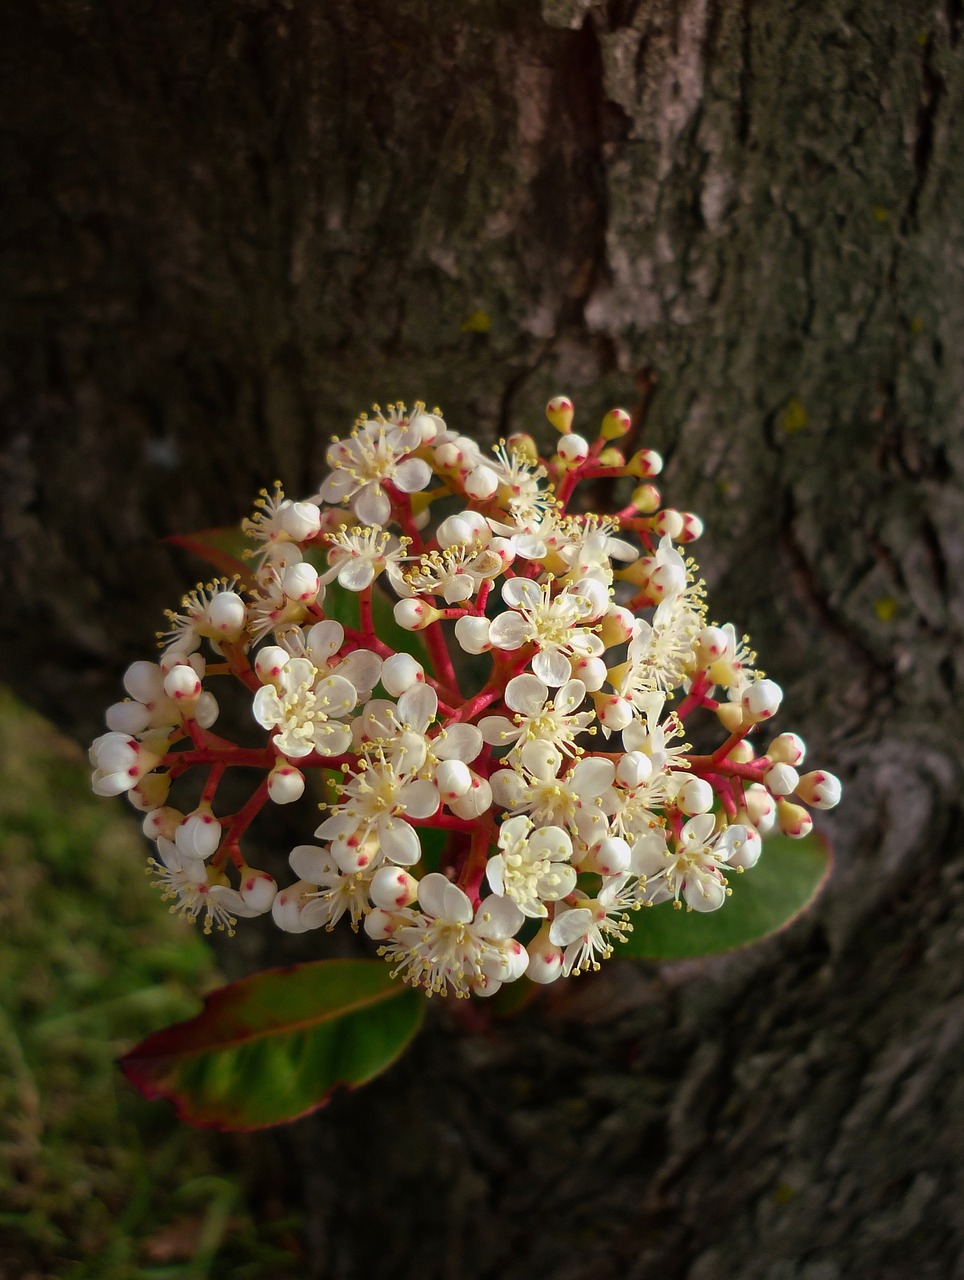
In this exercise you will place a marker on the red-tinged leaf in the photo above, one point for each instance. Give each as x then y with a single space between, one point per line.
220 548
272 1047
765 900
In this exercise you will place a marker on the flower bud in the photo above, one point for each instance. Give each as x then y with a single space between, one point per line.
286 784
300 582
199 834
591 671
476 800
617 626
299 520
545 958
225 615
128 717
473 634
392 888
182 686
819 789
793 820
667 581
781 779
692 527
206 711
400 673
162 823
634 768
380 924
695 796
761 808
481 482
609 856
287 906
415 615
646 499
612 458
645 464
270 662
616 424
453 778
573 449
614 713
741 753
668 524
787 748
465 526
560 413
711 643
258 889
761 700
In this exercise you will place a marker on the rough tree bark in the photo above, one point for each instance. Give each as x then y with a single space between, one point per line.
232 225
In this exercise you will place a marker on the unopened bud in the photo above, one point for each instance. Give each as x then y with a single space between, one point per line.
392 888
286 784
645 464
692 527
793 820
560 413
226 615
820 789
400 673
668 524
614 713
270 662
258 889
781 779
545 958
616 424
761 700
695 796
646 499
573 449
415 615
787 748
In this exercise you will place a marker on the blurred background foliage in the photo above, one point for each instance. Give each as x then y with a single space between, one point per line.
94 1181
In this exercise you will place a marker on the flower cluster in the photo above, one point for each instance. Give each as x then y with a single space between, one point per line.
438 641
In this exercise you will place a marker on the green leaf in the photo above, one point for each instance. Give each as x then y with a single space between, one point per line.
765 899
272 1047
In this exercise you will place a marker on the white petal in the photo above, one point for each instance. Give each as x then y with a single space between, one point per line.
527 694
494 872
510 631
461 742
418 707
570 926
399 842
497 731
419 799
310 863
372 506
551 666
704 892
336 696
591 777
569 697
411 475
356 573
498 918
323 641
522 592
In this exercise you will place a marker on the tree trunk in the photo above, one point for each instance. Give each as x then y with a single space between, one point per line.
231 226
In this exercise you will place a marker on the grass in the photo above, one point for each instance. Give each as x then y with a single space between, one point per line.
96 1183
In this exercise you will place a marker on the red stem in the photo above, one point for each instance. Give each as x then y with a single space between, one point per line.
473 873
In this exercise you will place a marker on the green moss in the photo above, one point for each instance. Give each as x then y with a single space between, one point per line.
94 1181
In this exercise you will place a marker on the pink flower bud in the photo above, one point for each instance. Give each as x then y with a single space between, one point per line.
226 615
695 796
400 673
453 779
270 662
198 835
609 856
761 700
669 524
545 958
380 924
300 582
781 779
560 413
258 889
573 449
820 789
392 888
299 520
415 615
286 784
787 748
692 527
182 686
614 713
793 820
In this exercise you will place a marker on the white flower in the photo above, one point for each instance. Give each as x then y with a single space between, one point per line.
587 931
527 870
537 719
376 451
446 945
660 653
377 801
551 623
120 762
305 707
693 868
456 572
334 895
197 888
535 788
357 556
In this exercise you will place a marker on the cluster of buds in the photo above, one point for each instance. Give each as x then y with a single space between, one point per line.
534 711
